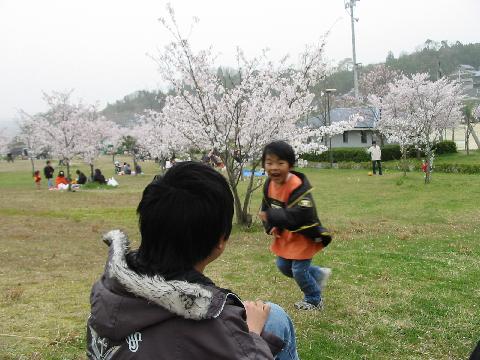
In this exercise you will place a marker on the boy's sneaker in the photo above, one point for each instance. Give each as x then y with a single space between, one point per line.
323 278
303 305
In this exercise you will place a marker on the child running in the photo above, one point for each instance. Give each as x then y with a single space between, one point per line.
288 213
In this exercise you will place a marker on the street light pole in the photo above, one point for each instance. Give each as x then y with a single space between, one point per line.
350 4
328 92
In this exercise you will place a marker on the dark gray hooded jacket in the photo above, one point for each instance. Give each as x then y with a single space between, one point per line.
141 317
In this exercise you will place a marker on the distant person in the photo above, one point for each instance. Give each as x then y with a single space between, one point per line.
81 178
288 212
127 170
98 177
118 168
10 157
37 179
138 169
155 302
48 171
61 182
376 155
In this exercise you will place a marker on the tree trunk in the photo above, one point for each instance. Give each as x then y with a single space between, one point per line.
475 137
68 175
241 212
91 172
404 160
33 165
134 163
467 137
428 174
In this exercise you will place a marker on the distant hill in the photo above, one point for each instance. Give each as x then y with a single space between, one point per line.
124 111
436 58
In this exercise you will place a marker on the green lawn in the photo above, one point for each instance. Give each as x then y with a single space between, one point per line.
405 260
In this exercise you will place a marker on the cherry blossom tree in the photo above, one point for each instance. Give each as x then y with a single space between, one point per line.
476 112
376 81
96 133
416 110
263 101
31 135
63 126
158 138
4 140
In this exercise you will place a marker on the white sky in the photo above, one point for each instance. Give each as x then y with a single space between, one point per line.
99 47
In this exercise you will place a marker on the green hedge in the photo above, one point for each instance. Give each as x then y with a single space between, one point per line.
445 147
457 168
411 166
389 152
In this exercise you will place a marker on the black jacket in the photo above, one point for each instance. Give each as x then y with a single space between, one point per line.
82 179
298 214
48 172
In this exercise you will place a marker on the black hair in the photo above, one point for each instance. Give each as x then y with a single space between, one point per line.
281 149
182 217
374 142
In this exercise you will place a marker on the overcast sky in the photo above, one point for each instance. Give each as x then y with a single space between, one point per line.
99 47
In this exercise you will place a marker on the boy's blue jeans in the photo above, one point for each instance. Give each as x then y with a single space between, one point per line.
305 275
280 324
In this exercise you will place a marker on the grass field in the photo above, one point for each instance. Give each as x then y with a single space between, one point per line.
405 260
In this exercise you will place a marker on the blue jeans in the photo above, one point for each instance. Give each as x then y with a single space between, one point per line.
305 275
50 182
280 324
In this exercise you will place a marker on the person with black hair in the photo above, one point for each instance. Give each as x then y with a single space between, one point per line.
48 171
98 177
82 178
155 302
288 213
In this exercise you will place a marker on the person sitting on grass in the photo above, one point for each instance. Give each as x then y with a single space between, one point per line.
156 303
288 213
81 178
98 177
61 182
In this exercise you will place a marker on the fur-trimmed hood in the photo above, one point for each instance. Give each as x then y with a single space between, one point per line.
124 301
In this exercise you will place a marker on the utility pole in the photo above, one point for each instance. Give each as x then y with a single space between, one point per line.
350 4
328 92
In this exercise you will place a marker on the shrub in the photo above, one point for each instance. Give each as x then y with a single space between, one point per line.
445 147
355 154
457 168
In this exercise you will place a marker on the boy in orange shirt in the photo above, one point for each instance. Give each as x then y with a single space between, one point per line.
288 213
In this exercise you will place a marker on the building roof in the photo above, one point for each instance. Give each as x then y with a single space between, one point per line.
369 115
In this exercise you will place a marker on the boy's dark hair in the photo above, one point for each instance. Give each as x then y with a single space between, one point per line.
281 149
182 217
374 142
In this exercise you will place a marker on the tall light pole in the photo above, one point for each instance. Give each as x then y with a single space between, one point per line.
350 4
328 92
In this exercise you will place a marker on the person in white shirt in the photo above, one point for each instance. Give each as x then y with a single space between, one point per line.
376 155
